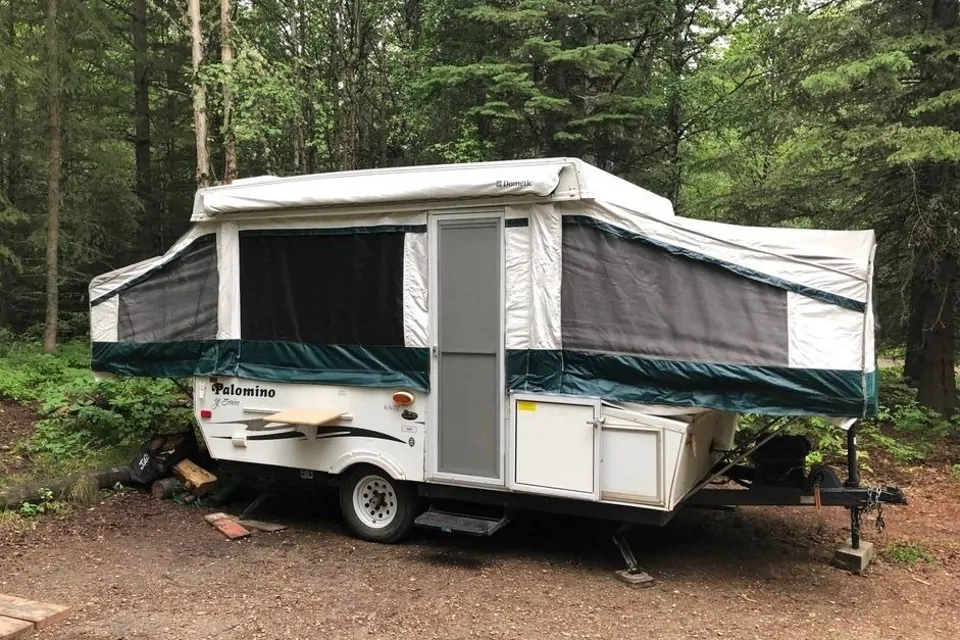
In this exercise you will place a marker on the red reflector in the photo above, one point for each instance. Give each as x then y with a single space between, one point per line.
205 413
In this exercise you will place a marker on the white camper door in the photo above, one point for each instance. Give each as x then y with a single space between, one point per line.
467 297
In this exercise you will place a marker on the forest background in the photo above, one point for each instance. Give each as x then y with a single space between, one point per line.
837 114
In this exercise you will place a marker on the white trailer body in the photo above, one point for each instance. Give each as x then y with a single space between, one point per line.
550 331
553 445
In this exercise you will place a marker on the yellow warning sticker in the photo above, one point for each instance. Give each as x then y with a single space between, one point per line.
526 405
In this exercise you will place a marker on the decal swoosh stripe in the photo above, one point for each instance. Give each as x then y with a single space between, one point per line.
354 432
286 435
345 432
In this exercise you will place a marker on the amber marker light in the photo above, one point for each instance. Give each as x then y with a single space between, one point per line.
403 398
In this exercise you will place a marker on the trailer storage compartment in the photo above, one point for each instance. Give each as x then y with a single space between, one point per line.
585 448
557 445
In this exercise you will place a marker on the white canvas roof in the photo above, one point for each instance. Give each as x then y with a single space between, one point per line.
551 178
833 261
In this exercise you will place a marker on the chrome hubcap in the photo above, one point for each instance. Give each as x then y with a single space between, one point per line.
375 501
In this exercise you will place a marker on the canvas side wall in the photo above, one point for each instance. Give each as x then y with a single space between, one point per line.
159 317
646 321
332 299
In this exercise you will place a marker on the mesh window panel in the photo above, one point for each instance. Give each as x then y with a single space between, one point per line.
625 296
322 288
175 303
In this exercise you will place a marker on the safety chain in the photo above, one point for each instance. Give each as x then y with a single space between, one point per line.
874 504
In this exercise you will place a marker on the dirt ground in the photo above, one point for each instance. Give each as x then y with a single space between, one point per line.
16 424
135 568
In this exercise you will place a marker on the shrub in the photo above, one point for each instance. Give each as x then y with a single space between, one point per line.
903 429
79 416
916 429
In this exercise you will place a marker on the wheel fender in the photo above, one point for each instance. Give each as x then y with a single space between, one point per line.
374 458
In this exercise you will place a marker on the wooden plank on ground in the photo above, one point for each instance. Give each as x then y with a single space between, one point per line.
269 527
194 477
11 628
310 417
227 525
41 614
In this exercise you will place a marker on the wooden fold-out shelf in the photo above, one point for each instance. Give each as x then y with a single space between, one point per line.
306 417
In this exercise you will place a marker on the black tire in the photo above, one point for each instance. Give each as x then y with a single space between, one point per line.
823 476
397 501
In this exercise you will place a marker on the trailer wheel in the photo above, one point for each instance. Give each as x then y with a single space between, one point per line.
376 507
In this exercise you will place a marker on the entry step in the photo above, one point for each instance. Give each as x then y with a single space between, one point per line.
460 522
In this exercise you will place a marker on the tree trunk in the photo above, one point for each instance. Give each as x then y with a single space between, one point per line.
199 96
61 488
12 138
353 50
913 359
299 133
11 157
53 177
590 154
226 57
675 123
141 111
937 384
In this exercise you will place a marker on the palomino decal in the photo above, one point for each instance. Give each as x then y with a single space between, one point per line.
257 391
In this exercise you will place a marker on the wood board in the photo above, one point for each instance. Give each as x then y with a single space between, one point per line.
11 628
194 477
227 525
309 417
259 525
19 616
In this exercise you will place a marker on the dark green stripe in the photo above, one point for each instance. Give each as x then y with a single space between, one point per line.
338 231
406 367
746 389
517 222
810 292
208 238
360 366
156 359
871 383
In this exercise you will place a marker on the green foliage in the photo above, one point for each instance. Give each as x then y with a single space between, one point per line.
955 472
908 553
904 430
907 430
45 505
28 375
81 417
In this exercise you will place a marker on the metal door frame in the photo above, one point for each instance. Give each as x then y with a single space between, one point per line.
432 448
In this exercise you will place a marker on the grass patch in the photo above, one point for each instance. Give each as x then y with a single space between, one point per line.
13 521
955 472
908 553
48 467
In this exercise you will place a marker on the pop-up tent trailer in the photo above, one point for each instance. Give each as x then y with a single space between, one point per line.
527 334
